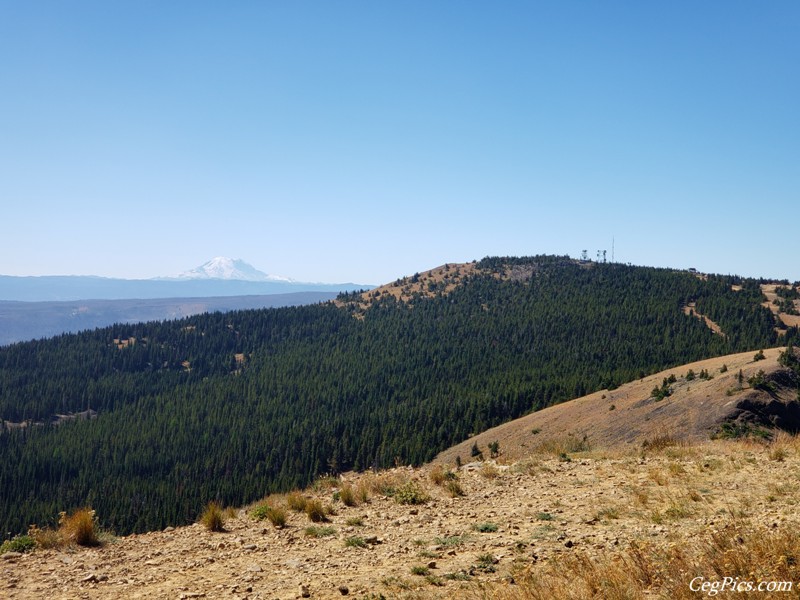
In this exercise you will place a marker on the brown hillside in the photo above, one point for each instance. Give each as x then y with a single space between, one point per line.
426 284
629 414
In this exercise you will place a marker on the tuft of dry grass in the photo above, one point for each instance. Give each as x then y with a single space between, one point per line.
296 501
270 510
348 496
362 493
439 476
781 445
213 517
454 489
315 511
79 528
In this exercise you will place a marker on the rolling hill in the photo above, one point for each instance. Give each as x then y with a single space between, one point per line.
735 395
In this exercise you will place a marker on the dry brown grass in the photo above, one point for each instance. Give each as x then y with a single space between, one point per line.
385 483
79 528
659 442
736 550
563 445
296 501
213 517
45 538
347 495
438 475
315 511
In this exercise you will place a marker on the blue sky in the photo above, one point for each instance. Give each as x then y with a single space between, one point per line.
363 141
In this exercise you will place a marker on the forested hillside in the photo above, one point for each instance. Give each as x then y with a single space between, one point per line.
231 406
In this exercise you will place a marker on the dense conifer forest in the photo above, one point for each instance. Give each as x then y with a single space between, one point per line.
232 406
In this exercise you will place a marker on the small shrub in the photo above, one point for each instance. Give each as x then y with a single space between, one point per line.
759 381
79 528
454 489
759 356
486 563
451 541
734 430
19 543
355 522
659 393
213 517
260 512
315 511
355 542
723 368
485 527
475 452
456 576
319 532
494 449
411 493
420 570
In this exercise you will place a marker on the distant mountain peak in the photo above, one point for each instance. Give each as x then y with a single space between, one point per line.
222 267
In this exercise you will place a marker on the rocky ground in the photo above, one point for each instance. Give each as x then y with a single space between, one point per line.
513 519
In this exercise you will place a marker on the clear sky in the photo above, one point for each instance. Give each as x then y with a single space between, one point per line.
366 140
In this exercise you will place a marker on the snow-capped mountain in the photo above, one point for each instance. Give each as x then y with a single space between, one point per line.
222 267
